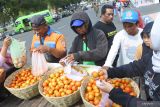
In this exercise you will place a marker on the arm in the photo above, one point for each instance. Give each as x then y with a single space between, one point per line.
73 47
95 54
136 68
114 50
60 50
6 43
124 99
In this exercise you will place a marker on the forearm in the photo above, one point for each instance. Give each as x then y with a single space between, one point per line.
122 98
132 69
57 53
4 51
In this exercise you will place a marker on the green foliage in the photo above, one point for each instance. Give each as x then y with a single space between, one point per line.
11 9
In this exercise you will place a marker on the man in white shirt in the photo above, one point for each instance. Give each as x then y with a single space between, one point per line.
125 40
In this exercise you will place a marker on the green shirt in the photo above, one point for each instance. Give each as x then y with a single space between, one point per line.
85 48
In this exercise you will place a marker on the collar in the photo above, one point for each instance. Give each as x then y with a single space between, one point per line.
49 31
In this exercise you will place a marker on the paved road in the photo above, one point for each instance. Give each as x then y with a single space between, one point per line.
64 26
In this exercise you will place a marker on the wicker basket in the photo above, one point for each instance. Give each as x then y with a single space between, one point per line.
64 101
134 85
84 85
22 93
82 92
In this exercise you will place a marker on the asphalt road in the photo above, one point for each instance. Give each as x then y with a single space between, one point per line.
63 26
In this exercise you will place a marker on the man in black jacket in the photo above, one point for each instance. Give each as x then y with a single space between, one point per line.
148 67
90 46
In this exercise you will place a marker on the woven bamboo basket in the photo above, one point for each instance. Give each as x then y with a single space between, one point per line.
134 85
64 101
84 85
22 93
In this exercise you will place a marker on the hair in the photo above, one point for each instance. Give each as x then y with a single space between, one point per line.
104 7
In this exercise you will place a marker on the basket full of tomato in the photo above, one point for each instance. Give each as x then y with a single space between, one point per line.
22 83
58 89
92 96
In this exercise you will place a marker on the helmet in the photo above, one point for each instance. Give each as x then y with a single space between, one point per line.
130 16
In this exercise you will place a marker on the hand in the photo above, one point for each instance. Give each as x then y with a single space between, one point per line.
42 49
105 73
62 61
7 41
105 86
105 67
69 58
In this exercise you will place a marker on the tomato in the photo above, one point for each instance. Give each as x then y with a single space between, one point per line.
91 97
127 89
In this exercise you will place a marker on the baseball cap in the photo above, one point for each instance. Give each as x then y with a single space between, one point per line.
77 23
130 16
37 20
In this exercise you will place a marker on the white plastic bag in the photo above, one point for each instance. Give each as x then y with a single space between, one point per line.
18 53
39 64
105 101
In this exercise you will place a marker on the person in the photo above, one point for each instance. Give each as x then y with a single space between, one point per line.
107 26
148 67
47 41
96 8
126 40
6 67
90 46
146 46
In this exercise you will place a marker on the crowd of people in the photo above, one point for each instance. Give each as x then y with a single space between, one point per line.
131 52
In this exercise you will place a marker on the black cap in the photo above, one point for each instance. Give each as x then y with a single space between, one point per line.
37 20
147 29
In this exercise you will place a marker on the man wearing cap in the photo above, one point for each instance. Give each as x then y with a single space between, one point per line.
47 41
90 46
125 40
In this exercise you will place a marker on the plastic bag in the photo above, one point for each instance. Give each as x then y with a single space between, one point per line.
18 53
39 64
105 101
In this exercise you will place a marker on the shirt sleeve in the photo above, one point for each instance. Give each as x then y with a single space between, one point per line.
114 50
122 98
61 43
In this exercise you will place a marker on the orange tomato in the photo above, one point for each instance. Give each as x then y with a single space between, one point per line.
69 92
91 97
95 74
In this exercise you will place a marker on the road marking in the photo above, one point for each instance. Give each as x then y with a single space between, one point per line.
61 27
